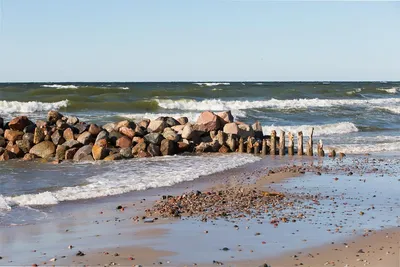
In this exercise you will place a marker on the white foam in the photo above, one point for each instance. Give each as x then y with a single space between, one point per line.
324 129
60 86
212 84
393 109
3 204
139 174
218 104
216 89
393 90
123 88
354 91
7 107
367 148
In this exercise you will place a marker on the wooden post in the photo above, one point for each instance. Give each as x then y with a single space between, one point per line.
273 143
310 143
290 144
321 152
333 153
249 145
282 144
241 145
300 143
256 148
264 147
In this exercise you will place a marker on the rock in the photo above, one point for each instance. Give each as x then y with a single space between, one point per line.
168 147
115 156
24 145
153 150
60 152
41 124
28 157
129 132
187 131
57 137
139 147
140 131
183 120
99 152
123 142
221 137
53 116
153 138
144 123
94 129
14 149
68 134
12 135
113 137
126 152
43 150
72 144
2 149
61 125
203 147
38 135
28 137
30 128
5 156
171 122
245 131
223 149
102 143
206 139
109 127
1 123
183 147
72 120
156 126
2 141
70 153
81 127
208 121
19 123
225 117
231 128
171 135
178 128
125 123
85 138
143 154
83 152
102 135
258 131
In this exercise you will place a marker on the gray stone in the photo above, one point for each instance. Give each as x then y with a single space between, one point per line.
53 116
156 126
72 144
44 149
168 147
102 135
83 152
171 122
24 145
29 137
154 150
187 131
109 127
85 138
61 125
57 137
72 120
81 127
153 138
126 152
60 152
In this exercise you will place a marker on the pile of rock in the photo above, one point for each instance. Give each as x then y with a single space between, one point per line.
66 138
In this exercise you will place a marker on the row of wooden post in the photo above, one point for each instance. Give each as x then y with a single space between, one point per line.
282 146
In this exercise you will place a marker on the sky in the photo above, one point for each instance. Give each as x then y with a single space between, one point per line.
207 40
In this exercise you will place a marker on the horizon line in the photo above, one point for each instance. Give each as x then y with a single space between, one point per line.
208 81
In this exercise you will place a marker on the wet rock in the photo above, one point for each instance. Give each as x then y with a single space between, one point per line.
124 142
72 144
83 152
102 135
81 127
60 152
168 147
99 152
125 123
28 157
207 121
139 147
61 125
38 135
72 120
183 120
70 153
53 116
57 137
156 126
171 135
144 123
126 152
187 131
225 117
24 145
14 149
68 134
85 138
43 150
12 135
113 137
19 123
94 129
129 132
153 138
115 156
109 127
258 131
154 150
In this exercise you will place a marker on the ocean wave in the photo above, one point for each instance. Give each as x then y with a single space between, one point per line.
7 107
304 103
3 204
212 84
123 88
60 86
368 148
325 129
358 90
393 90
127 176
395 110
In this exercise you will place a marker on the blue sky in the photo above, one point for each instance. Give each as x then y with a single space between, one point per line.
96 40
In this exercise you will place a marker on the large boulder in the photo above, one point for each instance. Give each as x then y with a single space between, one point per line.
60 152
24 145
153 138
53 116
187 131
225 117
245 131
70 153
168 147
28 137
19 123
99 152
258 131
171 135
57 137
171 122
123 142
68 134
72 144
83 153
208 121
154 150
43 150
129 132
94 129
109 127
14 149
125 123
85 138
144 123
102 135
38 135
126 152
142 146
156 126
13 135
72 120
61 125
231 128
183 120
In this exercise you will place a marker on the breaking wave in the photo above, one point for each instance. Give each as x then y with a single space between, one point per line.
7 107
325 129
60 86
393 90
211 84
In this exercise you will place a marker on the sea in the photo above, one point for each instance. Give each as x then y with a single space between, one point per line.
351 117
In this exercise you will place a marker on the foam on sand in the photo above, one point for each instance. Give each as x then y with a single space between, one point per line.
7 107
324 129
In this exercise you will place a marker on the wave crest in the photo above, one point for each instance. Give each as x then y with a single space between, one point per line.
325 129
7 107
60 86
211 84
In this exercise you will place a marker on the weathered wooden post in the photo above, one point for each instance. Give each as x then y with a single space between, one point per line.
273 143
300 143
290 144
249 145
321 152
282 143
310 143
264 147
333 153
256 148
241 145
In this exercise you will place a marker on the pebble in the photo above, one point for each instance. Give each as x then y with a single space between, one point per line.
80 253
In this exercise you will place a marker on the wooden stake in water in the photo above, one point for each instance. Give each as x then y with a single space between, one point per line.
273 143
300 143
310 143
264 147
241 145
256 148
290 144
249 145
282 143
321 152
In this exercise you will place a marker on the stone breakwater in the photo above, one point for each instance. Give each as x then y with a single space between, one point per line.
66 138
